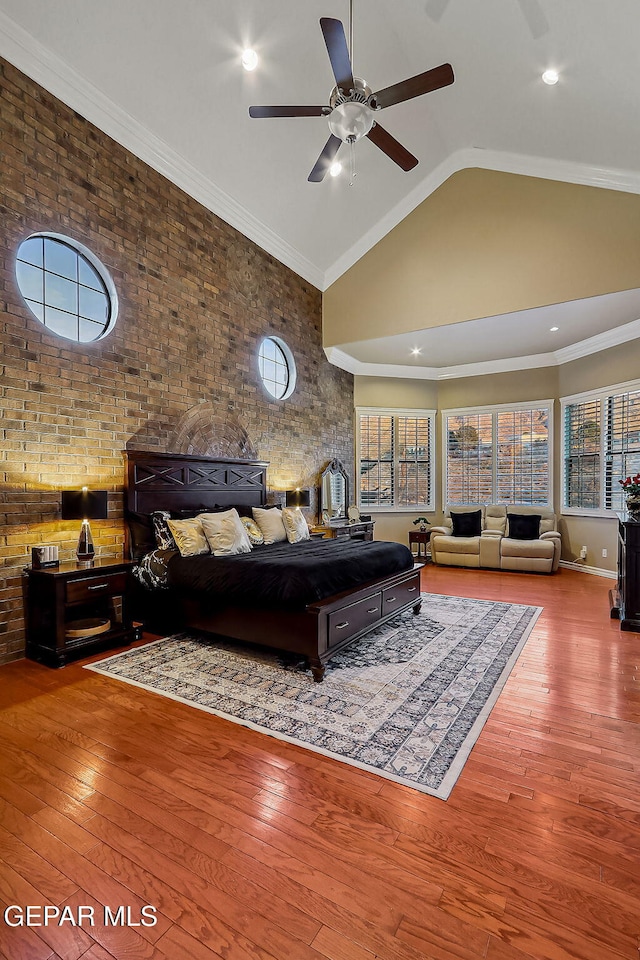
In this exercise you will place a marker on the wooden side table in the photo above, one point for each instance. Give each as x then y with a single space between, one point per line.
56 597
421 537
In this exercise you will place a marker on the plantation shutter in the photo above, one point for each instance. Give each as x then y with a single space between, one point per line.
522 456
582 454
622 445
376 460
413 444
469 446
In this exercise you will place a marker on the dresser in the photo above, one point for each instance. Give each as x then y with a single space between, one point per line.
625 601
360 530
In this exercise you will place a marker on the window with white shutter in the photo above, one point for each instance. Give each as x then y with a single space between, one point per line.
395 459
601 446
499 454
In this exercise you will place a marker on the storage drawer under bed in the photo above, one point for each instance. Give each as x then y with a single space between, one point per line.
351 619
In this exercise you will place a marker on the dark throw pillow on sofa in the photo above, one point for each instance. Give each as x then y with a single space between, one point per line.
467 524
524 526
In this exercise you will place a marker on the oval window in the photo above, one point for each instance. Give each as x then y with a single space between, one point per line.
66 287
277 368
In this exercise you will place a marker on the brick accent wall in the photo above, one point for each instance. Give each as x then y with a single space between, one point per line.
179 371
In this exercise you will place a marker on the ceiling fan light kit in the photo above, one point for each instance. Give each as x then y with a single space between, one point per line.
352 109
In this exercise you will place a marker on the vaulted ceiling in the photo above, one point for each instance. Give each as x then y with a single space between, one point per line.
165 80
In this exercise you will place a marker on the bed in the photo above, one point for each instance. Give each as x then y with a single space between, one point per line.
311 598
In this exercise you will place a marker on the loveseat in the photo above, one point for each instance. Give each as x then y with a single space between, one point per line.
498 536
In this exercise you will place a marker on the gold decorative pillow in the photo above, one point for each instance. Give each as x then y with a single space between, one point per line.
253 530
225 533
295 525
189 537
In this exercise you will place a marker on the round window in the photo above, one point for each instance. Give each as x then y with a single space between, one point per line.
66 287
277 368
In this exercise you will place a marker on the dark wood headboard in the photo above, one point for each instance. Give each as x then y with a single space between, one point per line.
176 481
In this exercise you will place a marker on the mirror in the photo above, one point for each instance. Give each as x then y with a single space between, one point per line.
334 493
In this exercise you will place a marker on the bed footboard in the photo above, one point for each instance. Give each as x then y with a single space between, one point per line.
319 632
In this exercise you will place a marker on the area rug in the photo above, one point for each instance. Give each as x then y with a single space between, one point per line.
407 701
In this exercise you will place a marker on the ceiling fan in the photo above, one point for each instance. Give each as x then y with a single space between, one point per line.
531 11
352 104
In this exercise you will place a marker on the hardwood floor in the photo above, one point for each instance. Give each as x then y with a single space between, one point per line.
252 849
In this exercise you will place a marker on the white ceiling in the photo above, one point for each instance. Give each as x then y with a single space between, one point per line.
164 78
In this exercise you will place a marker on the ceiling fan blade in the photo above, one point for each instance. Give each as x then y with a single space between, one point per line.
325 160
261 112
338 51
435 9
416 86
394 150
534 15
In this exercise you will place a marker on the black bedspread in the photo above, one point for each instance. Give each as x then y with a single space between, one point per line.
288 576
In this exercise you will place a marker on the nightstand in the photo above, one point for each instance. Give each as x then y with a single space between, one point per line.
421 537
57 597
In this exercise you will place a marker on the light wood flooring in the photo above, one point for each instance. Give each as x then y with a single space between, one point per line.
253 849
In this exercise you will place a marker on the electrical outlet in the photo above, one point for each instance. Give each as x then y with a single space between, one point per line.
604 552
583 553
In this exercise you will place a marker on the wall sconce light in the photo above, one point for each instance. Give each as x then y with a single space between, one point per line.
84 505
297 498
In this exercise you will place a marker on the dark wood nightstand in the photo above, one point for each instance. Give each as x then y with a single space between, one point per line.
56 597
421 537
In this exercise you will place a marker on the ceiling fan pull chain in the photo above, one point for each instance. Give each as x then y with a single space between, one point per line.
352 163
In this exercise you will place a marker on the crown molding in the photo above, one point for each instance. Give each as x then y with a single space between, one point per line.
602 341
36 61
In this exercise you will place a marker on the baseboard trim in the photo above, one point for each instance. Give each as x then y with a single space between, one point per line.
595 571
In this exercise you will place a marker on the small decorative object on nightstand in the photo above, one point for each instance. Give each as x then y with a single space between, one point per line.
84 505
72 611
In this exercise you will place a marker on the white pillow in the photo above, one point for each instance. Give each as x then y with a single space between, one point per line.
271 524
225 534
295 525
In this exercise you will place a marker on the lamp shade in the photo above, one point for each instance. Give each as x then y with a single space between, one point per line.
84 504
297 498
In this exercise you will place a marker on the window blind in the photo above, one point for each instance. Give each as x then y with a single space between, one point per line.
622 443
522 456
582 454
469 458
501 455
395 460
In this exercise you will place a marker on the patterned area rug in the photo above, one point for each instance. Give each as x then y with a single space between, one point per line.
407 701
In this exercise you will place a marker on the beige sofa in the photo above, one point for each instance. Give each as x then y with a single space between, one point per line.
494 548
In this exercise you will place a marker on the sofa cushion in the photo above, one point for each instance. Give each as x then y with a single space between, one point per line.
448 544
527 549
524 526
495 524
467 524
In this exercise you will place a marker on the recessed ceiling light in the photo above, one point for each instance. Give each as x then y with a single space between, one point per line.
249 59
550 77
335 169
416 351
553 329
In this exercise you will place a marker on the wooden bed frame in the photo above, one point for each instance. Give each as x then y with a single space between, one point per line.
164 481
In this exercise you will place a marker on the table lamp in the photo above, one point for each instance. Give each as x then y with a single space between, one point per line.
84 505
297 498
